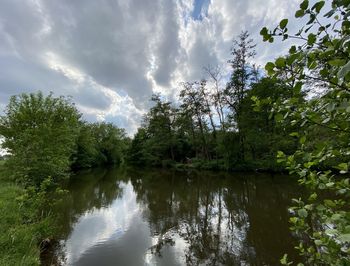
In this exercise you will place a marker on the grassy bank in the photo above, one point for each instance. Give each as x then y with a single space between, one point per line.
22 229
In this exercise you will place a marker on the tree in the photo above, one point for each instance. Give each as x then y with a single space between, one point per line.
194 103
100 144
40 135
264 136
242 50
322 59
111 143
87 150
155 142
137 153
217 96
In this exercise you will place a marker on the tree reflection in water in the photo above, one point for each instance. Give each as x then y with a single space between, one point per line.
223 219
196 217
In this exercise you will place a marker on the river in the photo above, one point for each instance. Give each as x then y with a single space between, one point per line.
161 217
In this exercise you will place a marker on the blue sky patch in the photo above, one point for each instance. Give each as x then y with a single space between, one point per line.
200 9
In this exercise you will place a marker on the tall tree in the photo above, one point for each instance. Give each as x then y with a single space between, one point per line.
217 95
242 50
193 103
206 96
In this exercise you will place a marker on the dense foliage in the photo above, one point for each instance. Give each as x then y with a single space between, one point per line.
40 134
245 123
215 125
45 137
320 62
100 144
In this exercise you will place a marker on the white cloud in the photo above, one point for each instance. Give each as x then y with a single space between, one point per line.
112 55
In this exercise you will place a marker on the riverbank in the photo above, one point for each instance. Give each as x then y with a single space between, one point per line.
22 229
263 166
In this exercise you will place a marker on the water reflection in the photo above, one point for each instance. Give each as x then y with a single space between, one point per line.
133 217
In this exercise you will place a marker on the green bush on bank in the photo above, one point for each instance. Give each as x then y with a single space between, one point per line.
22 225
26 219
40 134
17 239
44 137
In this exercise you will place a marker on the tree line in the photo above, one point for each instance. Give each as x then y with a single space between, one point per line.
252 119
214 125
45 136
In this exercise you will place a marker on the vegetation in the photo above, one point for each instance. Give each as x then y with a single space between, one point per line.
25 222
258 118
45 139
321 62
217 126
40 133
23 249
99 144
298 112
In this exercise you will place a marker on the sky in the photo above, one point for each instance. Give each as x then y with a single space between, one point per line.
112 55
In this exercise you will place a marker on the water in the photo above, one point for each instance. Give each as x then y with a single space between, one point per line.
158 217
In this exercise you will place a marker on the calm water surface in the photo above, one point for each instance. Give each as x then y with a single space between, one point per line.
134 217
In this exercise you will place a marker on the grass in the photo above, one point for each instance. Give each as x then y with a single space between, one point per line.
21 228
17 239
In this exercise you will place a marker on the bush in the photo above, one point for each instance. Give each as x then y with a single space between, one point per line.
40 134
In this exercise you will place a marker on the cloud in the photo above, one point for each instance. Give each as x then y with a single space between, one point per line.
111 55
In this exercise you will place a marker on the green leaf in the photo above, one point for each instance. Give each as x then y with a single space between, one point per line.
326 120
284 260
269 65
304 4
278 117
283 23
336 217
318 242
345 25
297 87
292 49
292 58
343 167
264 31
302 140
302 213
318 6
330 184
280 154
330 13
345 238
337 62
329 203
331 107
344 70
270 68
313 196
311 39
331 231
300 13
280 62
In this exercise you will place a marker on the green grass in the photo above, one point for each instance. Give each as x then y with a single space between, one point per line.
17 239
21 229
